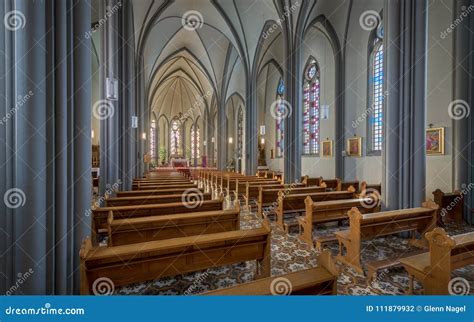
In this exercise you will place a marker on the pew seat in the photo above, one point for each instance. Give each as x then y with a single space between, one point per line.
321 280
144 229
379 224
146 261
150 200
434 268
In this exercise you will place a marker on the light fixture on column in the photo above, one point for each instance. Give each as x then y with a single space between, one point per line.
231 140
111 89
144 136
204 143
92 134
213 140
134 122
325 112
262 141
262 129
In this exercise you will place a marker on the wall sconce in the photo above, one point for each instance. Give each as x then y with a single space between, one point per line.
204 143
325 112
213 140
144 136
262 129
231 140
111 89
262 140
92 134
134 122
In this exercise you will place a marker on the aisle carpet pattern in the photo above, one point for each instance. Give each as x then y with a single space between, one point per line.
289 254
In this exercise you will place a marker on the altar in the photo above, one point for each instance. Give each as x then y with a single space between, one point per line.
179 163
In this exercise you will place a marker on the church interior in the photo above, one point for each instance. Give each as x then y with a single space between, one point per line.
237 147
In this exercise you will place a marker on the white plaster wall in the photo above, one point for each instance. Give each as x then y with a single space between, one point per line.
439 93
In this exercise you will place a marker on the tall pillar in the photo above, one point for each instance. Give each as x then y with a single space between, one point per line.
48 180
405 23
293 127
221 139
251 127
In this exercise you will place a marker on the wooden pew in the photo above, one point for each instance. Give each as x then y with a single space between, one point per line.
451 205
151 199
252 189
144 229
295 203
333 184
100 215
370 188
269 197
155 192
312 181
371 226
446 253
321 280
141 262
165 186
328 211
240 185
346 184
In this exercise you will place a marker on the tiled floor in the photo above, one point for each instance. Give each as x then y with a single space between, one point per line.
290 254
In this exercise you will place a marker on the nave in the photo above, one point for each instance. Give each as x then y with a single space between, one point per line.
215 147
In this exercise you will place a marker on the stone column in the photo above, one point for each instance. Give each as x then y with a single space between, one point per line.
404 179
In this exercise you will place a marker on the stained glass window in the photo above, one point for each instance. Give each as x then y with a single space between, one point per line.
153 140
240 132
280 124
195 143
311 109
175 137
377 97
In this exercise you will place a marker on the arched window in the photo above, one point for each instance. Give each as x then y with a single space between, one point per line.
311 108
195 143
153 140
240 133
175 137
376 92
280 124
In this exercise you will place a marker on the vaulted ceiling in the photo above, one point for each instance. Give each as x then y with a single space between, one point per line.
205 50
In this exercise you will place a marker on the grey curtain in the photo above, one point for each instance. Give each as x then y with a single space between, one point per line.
405 23
46 148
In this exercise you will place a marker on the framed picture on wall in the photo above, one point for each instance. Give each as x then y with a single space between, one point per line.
326 148
354 147
435 141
